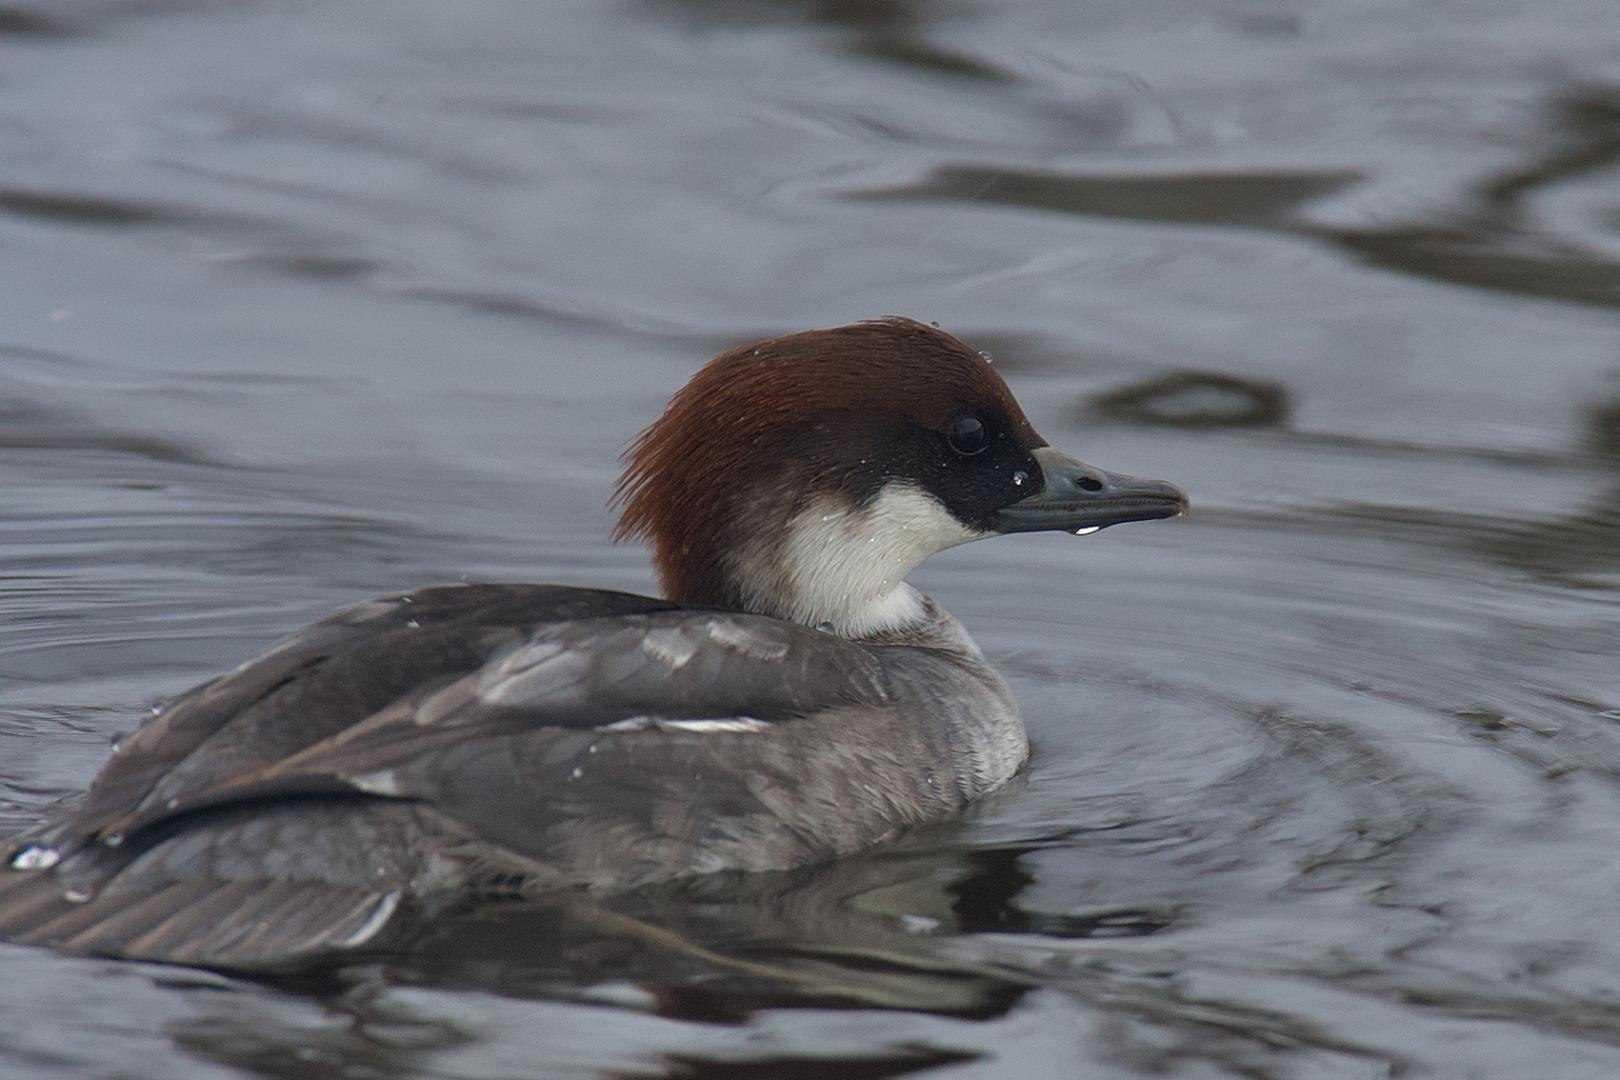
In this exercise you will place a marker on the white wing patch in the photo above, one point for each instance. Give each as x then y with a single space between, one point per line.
380 782
746 640
576 665
36 857
703 727
374 922
697 727
538 669
669 645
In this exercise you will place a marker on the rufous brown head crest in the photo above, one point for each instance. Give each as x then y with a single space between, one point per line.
762 429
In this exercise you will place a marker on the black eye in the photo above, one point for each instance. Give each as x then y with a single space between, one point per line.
966 435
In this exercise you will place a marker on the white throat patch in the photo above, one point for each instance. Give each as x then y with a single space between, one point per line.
846 566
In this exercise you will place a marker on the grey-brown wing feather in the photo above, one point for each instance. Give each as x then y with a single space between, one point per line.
616 809
576 676
408 747
317 683
249 887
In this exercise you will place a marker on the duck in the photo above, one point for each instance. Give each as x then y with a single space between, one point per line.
788 699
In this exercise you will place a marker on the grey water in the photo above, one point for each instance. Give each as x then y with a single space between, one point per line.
307 302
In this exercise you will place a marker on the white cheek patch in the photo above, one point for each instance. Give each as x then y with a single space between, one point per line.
917 523
847 565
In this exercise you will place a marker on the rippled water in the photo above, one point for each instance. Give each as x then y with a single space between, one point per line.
304 303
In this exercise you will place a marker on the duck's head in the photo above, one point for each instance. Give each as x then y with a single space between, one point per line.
805 476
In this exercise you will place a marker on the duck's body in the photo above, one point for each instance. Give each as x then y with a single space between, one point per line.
796 700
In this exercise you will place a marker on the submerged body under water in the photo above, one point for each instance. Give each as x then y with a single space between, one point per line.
306 307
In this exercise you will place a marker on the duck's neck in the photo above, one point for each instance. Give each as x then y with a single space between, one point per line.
842 568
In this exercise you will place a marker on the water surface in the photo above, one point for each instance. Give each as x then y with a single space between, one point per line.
306 303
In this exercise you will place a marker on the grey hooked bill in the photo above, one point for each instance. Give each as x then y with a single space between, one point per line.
1078 498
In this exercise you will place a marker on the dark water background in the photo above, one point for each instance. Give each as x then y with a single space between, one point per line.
305 302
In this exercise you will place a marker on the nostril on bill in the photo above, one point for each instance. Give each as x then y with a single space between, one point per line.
1089 483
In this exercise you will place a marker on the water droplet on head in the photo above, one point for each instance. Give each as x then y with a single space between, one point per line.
76 895
934 324
1087 531
413 624
986 357
35 857
1020 478
112 839
825 627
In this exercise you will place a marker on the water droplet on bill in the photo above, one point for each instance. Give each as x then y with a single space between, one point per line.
1087 531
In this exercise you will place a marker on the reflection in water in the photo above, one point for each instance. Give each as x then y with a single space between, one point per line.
1605 429
1265 197
23 23
814 1068
856 934
78 210
1574 547
1495 243
871 15
847 937
308 304
1197 399
1583 124
28 425
1470 255
1490 241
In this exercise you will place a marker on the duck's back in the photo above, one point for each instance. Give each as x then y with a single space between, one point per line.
483 737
